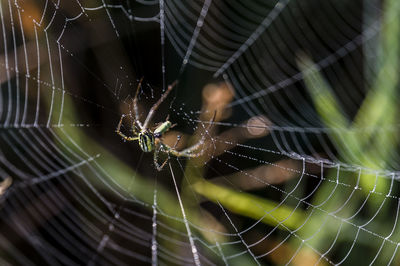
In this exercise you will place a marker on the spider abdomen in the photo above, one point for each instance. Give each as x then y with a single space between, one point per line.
146 141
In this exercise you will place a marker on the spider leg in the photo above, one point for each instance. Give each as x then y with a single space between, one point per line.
156 152
184 153
118 131
157 104
189 152
135 106
178 138
158 166
193 148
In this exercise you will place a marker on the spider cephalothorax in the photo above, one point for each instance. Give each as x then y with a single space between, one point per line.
152 140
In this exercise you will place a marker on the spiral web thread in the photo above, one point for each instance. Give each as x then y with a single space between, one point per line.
57 205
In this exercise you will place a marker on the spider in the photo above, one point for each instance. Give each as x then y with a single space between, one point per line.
151 141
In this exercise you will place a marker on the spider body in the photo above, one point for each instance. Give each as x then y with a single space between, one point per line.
146 141
151 140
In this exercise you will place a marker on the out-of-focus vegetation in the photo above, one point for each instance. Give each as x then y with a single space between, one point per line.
136 187
368 143
371 150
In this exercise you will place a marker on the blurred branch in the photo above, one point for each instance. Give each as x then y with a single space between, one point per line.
216 97
266 175
245 204
5 184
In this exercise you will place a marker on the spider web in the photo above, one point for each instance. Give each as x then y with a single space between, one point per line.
299 166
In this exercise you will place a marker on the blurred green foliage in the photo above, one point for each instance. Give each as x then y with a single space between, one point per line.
369 142
366 141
